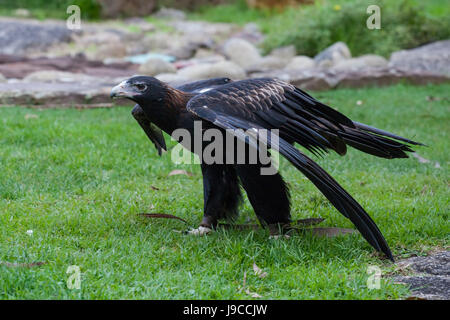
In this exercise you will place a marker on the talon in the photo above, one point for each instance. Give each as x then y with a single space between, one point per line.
200 231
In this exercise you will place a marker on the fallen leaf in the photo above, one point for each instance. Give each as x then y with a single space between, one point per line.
258 271
162 215
309 221
154 188
31 116
331 232
22 265
252 294
176 172
420 158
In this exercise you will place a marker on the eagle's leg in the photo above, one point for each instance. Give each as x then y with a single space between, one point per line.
268 195
221 196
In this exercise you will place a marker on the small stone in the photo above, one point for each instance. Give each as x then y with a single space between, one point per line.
332 55
156 66
369 60
286 53
433 57
300 62
213 70
241 52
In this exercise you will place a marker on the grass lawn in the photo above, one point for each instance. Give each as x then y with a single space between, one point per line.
78 179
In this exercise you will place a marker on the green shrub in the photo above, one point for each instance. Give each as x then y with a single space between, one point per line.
90 9
311 29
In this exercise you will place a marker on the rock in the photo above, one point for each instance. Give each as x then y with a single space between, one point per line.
203 53
432 280
169 13
99 38
324 79
241 52
286 53
59 76
435 264
111 50
22 13
369 60
425 287
54 94
300 62
156 66
251 33
17 36
214 70
184 52
308 79
142 23
433 57
12 66
385 76
171 78
267 63
333 55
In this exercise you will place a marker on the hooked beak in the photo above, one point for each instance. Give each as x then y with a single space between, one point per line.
123 90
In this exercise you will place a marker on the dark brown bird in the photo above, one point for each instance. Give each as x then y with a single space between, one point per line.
258 104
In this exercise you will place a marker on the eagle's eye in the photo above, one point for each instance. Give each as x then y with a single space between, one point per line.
140 86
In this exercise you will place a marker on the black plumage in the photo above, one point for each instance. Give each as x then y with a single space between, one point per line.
262 104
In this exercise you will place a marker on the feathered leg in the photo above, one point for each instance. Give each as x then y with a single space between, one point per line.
221 196
268 195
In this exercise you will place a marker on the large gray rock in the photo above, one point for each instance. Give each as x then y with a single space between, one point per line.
54 94
17 36
333 55
53 76
267 63
365 61
12 66
111 50
300 62
434 57
286 53
241 52
214 70
156 66
324 79
432 275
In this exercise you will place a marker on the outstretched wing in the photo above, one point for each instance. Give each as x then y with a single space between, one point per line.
269 104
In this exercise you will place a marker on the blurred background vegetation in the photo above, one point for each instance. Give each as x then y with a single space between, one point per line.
309 25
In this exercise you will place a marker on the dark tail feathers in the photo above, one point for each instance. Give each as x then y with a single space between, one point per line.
376 142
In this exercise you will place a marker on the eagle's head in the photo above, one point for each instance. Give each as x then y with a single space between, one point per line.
141 89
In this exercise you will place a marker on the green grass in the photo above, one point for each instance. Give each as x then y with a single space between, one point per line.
78 179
